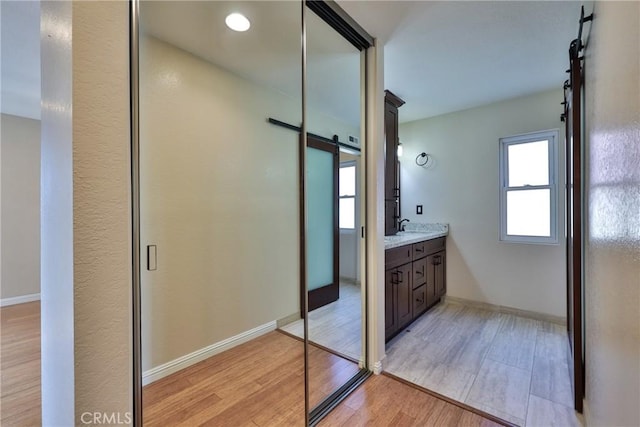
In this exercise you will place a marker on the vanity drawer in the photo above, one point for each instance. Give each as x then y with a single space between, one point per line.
419 272
397 256
422 249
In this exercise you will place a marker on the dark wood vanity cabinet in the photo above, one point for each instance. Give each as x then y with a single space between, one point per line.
439 273
391 164
415 280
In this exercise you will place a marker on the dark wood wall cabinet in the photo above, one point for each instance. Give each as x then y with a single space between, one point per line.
415 281
391 164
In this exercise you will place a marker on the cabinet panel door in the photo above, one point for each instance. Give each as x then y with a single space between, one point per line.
419 300
431 279
419 272
391 149
390 217
404 295
440 274
390 303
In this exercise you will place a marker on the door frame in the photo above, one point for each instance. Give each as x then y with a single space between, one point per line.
574 204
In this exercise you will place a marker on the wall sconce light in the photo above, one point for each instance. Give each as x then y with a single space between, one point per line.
423 159
399 149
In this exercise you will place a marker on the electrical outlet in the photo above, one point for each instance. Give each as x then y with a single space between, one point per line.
418 209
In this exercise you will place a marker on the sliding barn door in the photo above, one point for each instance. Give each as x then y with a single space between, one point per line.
573 122
322 240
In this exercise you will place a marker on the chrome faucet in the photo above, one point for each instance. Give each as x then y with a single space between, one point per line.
400 226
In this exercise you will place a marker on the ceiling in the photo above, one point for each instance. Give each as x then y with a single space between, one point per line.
439 56
269 52
448 56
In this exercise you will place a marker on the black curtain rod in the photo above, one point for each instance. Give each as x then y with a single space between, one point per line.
321 138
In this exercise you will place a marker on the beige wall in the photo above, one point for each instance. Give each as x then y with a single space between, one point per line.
20 207
219 188
612 259
219 198
101 207
86 235
461 188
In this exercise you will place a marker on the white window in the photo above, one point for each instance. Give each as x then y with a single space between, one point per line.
528 188
347 192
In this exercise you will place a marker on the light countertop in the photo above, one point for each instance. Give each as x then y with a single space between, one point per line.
416 233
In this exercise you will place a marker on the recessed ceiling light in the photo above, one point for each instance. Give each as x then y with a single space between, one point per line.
237 22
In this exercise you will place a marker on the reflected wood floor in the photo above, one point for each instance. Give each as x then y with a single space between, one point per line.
20 365
260 382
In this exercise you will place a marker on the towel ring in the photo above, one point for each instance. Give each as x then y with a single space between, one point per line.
424 156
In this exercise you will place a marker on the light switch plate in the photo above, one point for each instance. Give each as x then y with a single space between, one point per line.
418 209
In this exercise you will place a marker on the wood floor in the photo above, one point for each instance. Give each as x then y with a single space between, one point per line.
383 401
259 383
508 366
20 365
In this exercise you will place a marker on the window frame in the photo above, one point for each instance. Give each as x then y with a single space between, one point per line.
551 136
347 164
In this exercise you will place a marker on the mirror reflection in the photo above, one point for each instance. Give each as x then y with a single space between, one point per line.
333 243
220 213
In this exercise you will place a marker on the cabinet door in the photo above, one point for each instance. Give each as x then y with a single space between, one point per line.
419 272
431 280
419 300
391 151
440 274
390 314
390 217
404 295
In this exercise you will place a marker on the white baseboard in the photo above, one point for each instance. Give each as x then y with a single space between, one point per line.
154 374
507 310
19 300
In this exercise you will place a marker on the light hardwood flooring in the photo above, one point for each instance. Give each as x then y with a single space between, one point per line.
259 383
20 365
382 401
512 367
336 326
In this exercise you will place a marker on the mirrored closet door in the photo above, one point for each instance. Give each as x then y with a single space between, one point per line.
219 212
335 126
251 203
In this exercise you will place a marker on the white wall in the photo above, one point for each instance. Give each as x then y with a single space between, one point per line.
85 194
612 257
461 188
20 207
